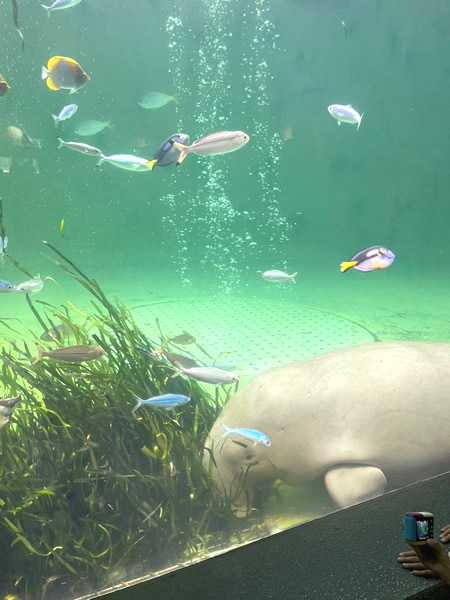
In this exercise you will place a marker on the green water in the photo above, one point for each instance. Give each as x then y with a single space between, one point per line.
188 245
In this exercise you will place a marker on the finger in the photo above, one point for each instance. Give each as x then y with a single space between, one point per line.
410 564
423 573
409 553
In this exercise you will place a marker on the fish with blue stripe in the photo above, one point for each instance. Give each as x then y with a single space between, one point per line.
257 438
166 401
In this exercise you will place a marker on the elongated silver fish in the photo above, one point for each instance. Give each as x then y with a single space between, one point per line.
71 354
211 375
83 148
215 143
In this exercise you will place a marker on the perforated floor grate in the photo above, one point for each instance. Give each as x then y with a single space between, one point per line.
257 335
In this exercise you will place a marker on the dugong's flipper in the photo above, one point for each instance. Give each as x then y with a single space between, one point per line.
351 484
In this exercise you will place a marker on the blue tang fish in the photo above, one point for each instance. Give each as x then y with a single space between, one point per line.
167 154
370 259
252 435
6 287
167 401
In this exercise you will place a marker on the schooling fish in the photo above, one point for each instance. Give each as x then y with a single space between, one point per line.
4 87
167 154
275 275
166 401
252 435
32 286
211 375
128 162
71 354
215 143
64 73
83 148
345 114
155 100
91 127
60 5
6 287
370 259
67 112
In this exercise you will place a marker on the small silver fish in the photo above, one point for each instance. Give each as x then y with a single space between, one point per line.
129 162
278 276
67 112
60 5
215 143
207 375
345 114
32 286
71 354
78 147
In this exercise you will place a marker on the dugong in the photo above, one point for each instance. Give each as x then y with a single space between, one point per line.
366 419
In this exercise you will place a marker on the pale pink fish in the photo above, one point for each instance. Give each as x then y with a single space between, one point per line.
215 143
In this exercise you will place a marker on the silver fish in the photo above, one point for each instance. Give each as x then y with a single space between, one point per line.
60 5
83 148
278 276
71 354
32 286
345 114
207 375
215 143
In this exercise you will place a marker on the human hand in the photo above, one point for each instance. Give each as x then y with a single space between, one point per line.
431 559
445 534
409 560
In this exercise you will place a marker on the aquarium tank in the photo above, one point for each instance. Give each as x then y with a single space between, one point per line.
223 275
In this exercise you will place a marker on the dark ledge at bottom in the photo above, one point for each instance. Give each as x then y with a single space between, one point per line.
348 555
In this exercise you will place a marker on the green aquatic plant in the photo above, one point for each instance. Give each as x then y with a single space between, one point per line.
90 493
